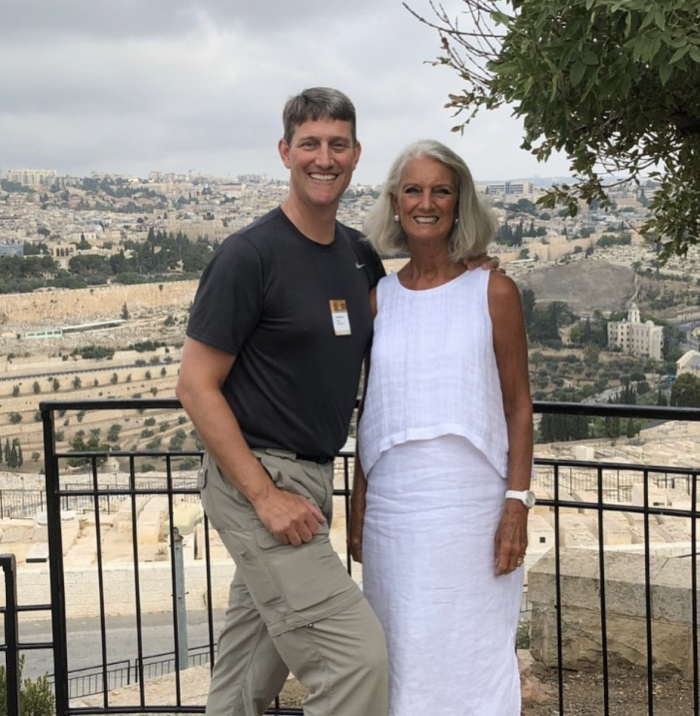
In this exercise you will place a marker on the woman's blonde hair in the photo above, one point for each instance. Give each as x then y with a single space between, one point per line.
475 226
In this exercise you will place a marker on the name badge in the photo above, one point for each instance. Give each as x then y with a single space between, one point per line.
340 318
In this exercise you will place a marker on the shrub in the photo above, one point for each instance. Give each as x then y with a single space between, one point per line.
36 697
189 463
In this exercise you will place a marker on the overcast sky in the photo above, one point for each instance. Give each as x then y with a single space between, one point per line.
133 86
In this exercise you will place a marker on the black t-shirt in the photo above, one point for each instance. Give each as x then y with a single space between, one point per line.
265 297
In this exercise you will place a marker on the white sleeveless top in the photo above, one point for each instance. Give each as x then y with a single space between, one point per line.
433 370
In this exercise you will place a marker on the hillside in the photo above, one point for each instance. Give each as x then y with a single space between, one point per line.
585 285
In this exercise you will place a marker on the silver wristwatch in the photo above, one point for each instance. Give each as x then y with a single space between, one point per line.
527 497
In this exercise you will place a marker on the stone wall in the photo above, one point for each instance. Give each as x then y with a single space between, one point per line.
41 310
155 581
625 610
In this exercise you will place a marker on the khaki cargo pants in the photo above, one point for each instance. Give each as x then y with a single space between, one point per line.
291 608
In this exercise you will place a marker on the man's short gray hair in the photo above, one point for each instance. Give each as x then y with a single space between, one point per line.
314 104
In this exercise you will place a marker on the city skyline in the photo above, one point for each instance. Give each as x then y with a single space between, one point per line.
42 178
184 86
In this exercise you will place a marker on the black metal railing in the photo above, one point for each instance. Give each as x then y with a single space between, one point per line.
114 502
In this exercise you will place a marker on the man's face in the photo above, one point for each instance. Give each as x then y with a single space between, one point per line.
321 159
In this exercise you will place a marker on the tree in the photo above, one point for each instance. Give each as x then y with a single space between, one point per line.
528 301
685 392
555 428
36 387
14 457
614 85
674 340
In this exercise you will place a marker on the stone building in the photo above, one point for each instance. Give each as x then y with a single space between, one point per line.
634 337
689 362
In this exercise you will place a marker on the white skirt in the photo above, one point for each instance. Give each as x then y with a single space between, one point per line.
433 507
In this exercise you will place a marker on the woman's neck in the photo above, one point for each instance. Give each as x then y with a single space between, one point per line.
429 268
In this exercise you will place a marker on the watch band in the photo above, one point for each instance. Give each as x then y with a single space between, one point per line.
527 497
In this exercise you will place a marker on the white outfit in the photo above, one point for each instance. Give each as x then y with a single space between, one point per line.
433 443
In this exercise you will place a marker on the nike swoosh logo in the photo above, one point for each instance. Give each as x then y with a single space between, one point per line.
359 266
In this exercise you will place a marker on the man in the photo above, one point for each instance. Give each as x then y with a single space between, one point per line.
269 374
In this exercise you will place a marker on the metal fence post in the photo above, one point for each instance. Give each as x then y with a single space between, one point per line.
9 567
58 608
181 613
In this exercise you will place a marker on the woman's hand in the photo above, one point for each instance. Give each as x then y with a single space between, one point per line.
511 537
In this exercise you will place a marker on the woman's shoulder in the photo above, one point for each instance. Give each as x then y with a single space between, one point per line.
502 286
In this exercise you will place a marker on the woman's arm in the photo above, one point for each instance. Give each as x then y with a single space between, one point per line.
359 483
510 346
357 509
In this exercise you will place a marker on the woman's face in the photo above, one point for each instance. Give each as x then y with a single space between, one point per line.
426 200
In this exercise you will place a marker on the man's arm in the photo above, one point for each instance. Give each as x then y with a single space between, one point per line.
487 263
291 518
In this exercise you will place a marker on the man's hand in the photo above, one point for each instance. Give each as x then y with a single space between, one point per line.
487 263
291 518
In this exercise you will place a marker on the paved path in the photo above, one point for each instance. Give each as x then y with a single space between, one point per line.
84 643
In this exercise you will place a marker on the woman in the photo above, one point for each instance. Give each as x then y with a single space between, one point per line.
445 432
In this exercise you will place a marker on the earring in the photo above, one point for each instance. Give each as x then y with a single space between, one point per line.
396 218
456 220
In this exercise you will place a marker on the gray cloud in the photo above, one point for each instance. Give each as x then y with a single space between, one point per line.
173 85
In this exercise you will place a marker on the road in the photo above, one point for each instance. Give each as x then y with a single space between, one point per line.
84 643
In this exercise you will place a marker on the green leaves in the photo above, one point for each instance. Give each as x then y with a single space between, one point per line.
613 83
577 72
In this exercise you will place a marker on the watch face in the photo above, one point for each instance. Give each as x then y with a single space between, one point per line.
529 499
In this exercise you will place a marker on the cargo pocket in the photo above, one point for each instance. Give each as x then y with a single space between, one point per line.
253 568
202 476
309 576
